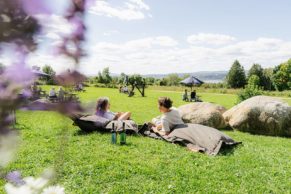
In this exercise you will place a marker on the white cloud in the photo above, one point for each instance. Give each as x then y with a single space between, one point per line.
130 10
54 24
165 41
163 54
211 39
54 27
149 55
59 63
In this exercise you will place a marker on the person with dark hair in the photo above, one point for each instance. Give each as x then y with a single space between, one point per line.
169 119
193 96
103 110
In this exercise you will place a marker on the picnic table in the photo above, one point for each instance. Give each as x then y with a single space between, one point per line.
67 97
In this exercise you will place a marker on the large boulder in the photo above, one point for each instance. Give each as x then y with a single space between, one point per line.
261 115
203 113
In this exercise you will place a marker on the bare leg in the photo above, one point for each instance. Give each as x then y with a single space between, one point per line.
124 116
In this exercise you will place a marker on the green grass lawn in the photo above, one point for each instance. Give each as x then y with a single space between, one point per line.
90 164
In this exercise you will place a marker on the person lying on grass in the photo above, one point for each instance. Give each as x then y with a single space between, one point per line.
169 119
103 110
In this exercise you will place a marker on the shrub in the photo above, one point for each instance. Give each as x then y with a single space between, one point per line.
252 89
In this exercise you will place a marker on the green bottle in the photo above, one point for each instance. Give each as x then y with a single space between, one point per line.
123 135
113 135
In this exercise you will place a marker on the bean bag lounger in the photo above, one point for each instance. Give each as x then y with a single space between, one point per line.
204 139
90 123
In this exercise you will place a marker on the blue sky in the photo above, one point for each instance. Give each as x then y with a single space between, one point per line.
166 36
246 19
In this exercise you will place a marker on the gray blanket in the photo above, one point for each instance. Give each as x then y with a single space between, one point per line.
203 138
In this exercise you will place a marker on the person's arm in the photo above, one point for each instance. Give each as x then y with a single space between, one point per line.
117 115
163 128
160 132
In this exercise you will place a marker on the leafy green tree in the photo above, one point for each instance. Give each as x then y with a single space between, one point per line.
163 82
138 82
99 78
254 81
150 80
282 76
136 79
121 78
236 77
267 80
252 89
50 71
114 81
104 76
257 70
173 79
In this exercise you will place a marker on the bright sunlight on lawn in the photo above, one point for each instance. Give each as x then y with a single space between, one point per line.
92 165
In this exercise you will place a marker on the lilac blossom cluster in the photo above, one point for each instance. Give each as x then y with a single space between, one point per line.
18 29
72 45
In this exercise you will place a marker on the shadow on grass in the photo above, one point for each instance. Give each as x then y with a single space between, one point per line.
81 133
227 128
227 150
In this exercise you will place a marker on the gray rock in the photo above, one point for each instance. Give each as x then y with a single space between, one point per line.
203 113
261 115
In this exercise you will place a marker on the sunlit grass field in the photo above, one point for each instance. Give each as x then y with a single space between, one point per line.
88 163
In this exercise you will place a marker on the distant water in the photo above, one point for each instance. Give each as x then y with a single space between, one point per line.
213 81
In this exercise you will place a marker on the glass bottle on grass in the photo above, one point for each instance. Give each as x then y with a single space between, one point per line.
123 135
113 134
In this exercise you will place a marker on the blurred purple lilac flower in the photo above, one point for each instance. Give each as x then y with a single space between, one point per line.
19 74
70 78
33 7
71 46
15 178
78 28
17 26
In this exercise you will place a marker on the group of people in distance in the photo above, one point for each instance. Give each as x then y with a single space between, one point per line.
123 89
163 125
193 96
36 91
60 94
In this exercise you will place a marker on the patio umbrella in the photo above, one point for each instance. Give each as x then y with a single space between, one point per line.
191 81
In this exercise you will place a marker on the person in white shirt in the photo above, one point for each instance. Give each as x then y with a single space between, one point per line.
169 119
52 93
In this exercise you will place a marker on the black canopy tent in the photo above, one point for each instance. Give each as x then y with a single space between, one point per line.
191 81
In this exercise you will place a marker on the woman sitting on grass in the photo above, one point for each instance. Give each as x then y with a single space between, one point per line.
170 117
103 110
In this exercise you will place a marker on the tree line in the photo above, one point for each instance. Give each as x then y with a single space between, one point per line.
277 78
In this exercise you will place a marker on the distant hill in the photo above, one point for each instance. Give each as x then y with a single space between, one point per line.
206 76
